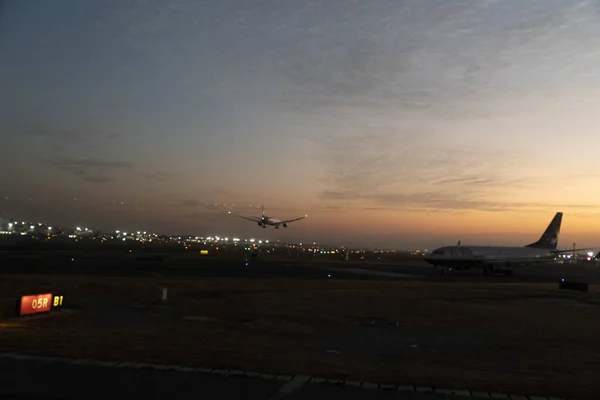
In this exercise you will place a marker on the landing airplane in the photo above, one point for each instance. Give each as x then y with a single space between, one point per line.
495 259
265 220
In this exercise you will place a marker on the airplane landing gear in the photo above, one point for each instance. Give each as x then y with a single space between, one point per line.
488 270
495 269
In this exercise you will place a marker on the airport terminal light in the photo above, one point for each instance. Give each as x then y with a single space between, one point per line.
590 253
78 229
49 228
10 224
31 227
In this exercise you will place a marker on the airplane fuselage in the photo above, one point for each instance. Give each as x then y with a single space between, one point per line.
271 221
477 256
499 258
268 221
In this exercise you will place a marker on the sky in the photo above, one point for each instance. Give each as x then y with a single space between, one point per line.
391 123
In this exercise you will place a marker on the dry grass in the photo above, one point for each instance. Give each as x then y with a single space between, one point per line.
525 338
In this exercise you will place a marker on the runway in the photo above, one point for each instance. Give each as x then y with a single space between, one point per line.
193 265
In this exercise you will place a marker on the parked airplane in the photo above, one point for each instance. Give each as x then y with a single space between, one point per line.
265 220
495 259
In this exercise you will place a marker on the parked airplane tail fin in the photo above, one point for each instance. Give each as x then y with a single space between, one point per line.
549 240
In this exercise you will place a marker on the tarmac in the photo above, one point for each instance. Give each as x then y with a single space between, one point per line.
29 378
193 265
53 379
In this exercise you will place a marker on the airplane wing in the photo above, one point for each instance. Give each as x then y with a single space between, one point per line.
292 220
255 219
528 260
574 250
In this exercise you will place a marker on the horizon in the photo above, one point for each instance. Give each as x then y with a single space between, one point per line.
420 123
489 238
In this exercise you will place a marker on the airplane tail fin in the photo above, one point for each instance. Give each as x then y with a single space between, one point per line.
549 239
262 209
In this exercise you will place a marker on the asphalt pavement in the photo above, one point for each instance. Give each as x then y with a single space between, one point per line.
41 379
50 380
192 265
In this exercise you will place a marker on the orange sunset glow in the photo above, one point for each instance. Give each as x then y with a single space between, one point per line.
397 127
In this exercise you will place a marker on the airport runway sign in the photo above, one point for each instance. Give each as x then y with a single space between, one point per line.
38 303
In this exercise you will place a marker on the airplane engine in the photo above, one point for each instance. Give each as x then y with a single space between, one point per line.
497 267
489 269
260 224
285 226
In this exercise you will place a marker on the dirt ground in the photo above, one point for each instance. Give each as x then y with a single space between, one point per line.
520 338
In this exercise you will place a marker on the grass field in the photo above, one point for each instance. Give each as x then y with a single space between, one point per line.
523 338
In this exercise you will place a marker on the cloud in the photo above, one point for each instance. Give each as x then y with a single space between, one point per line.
69 162
90 177
392 169
55 140
56 133
418 200
444 201
91 170
201 206
64 136
491 180
466 181
157 176
370 159
189 203
436 57
78 152
61 145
